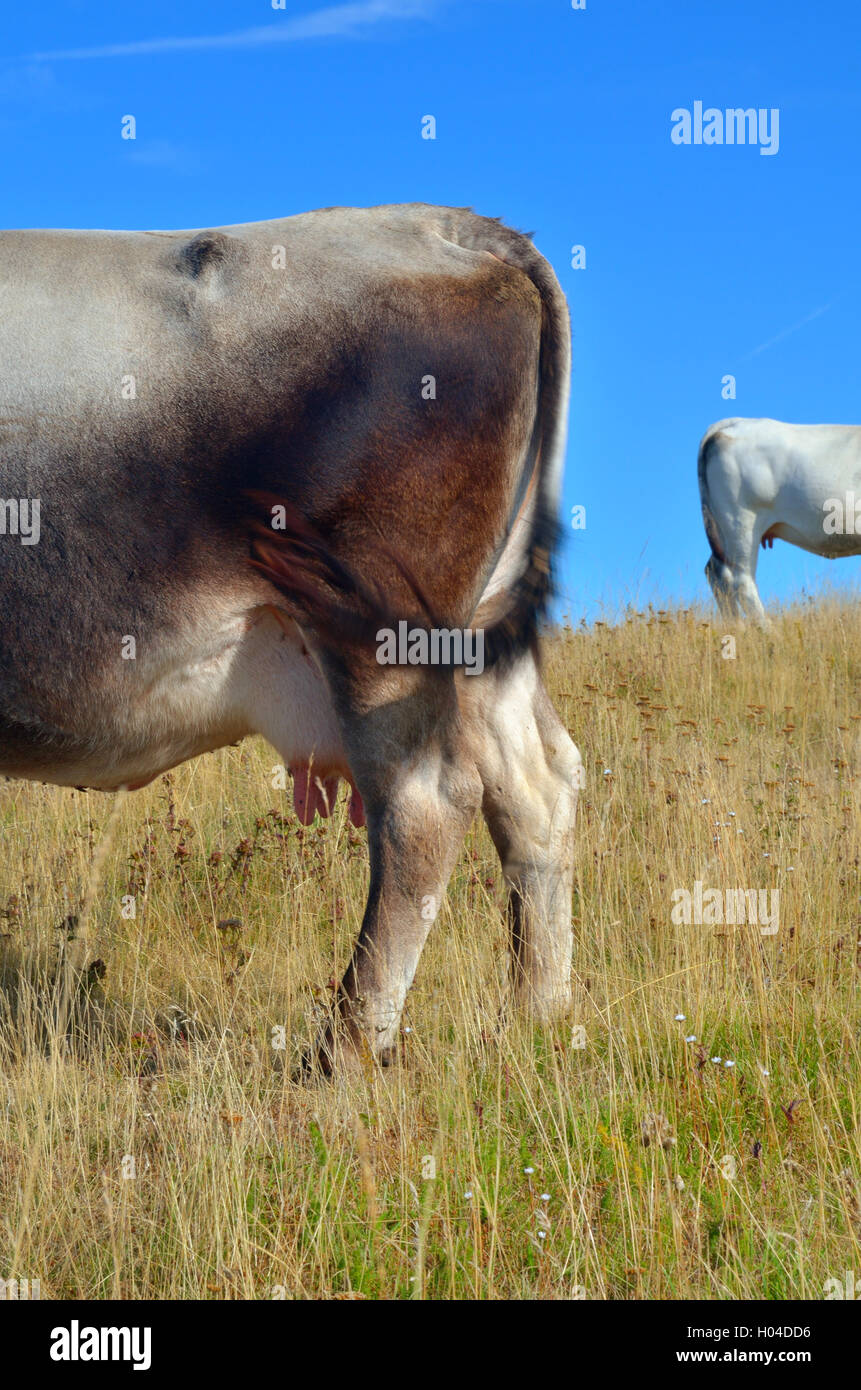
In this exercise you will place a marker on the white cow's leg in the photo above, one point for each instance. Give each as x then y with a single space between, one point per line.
723 588
421 791
733 580
749 597
531 773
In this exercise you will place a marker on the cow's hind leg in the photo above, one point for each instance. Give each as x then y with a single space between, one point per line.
531 772
421 790
731 570
734 587
721 583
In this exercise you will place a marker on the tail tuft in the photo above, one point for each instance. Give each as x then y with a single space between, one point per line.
511 620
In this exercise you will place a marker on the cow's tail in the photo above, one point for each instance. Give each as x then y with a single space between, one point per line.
708 446
521 584
344 608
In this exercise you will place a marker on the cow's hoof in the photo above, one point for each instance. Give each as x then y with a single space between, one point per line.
344 1056
309 1069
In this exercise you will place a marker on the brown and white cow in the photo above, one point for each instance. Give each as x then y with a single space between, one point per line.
249 449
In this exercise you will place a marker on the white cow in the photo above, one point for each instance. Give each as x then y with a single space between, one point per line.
762 480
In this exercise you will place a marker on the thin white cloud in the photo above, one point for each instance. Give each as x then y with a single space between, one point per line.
793 328
340 21
162 154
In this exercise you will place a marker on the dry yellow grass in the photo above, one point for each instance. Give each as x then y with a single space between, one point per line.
632 1167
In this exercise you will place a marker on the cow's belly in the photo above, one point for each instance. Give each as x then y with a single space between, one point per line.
227 674
815 540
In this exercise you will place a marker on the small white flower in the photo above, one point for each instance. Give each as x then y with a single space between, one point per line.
718 1060
732 813
790 869
691 1037
764 1072
706 801
408 1030
545 1196
608 772
529 1170
541 1235
728 1063
680 1018
467 1194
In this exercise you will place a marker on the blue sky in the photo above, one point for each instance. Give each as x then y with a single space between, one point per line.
701 261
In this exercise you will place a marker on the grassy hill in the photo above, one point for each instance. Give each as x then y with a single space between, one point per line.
693 1130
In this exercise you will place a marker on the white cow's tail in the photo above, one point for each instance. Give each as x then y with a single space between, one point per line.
708 446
